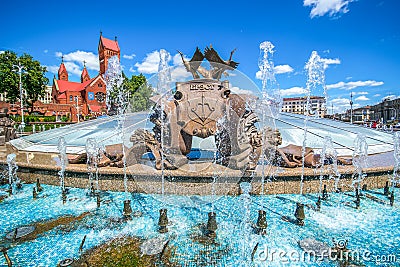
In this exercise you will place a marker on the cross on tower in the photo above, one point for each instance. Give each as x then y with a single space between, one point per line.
84 64
62 59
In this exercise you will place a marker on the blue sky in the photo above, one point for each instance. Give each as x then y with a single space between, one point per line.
359 39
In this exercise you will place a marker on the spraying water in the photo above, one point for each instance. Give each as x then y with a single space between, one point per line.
270 88
245 225
271 101
62 149
396 154
360 155
117 102
12 171
163 85
329 163
92 152
315 68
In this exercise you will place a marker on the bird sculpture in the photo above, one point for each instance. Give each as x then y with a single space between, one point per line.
192 65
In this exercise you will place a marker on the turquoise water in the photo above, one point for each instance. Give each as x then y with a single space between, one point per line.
373 231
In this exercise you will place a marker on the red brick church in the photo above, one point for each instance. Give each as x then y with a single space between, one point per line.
88 96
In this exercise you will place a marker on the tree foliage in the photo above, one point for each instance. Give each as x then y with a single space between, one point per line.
33 77
139 91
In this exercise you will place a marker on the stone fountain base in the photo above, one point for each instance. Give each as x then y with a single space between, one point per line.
196 178
144 179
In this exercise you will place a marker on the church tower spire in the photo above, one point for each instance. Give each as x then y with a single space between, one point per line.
62 71
107 48
85 74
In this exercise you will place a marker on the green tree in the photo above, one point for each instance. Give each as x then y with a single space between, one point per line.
33 78
139 91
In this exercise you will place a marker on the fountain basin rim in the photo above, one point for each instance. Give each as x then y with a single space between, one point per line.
288 172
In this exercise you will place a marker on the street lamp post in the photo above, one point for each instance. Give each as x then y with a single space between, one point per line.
20 68
351 107
77 107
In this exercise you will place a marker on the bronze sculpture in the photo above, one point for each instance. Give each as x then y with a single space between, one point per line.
204 107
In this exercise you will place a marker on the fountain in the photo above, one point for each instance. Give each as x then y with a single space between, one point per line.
315 76
268 108
93 155
396 168
391 199
212 225
324 193
299 214
38 186
245 226
13 180
208 185
116 104
329 162
63 161
386 189
34 193
262 222
163 221
360 155
318 204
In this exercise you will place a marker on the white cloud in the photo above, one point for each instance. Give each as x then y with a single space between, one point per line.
149 64
52 69
330 7
360 93
129 56
1 51
293 91
330 61
177 60
74 62
376 95
179 72
73 68
279 69
131 69
352 85
45 51
283 69
362 98
77 57
340 105
237 90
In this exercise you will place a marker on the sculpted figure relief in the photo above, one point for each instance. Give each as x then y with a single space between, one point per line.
206 107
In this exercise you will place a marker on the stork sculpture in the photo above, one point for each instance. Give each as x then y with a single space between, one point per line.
219 66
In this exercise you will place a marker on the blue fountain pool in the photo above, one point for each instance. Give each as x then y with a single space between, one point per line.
373 231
